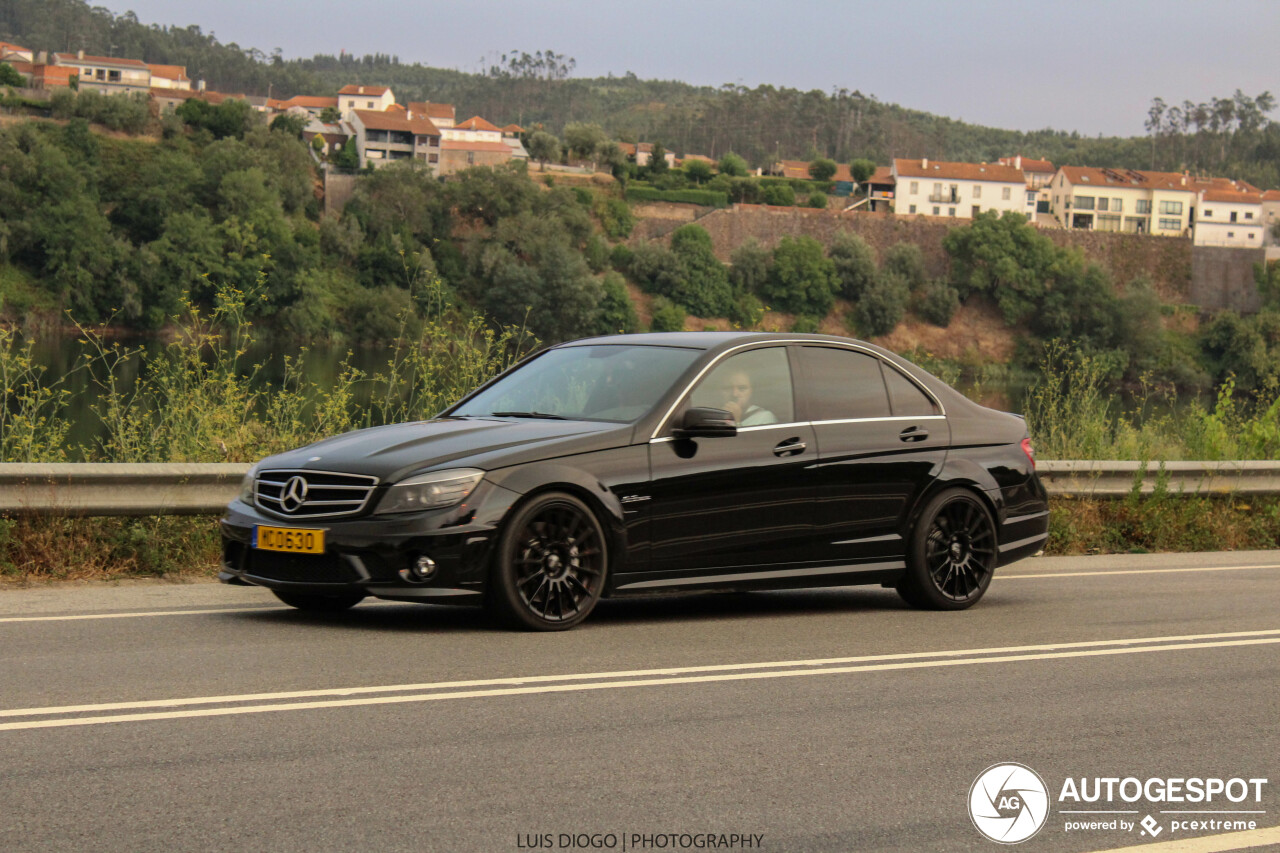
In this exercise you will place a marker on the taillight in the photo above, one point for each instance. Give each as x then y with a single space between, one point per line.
1030 451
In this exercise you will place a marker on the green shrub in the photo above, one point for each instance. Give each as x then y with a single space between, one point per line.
617 314
855 264
667 316
882 305
818 200
706 291
906 260
802 279
596 252
822 169
732 165
620 257
585 197
805 324
706 198
747 311
749 267
615 217
779 195
697 171
936 302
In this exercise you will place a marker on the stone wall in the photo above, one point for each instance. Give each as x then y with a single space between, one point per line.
1166 261
1223 278
338 190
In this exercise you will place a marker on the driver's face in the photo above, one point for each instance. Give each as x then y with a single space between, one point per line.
737 389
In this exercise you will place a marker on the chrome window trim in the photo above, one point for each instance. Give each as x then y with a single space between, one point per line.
372 487
662 424
878 420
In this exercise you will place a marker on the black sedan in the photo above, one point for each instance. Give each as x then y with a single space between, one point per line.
653 463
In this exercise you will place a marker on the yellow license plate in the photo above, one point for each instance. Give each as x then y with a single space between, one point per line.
295 540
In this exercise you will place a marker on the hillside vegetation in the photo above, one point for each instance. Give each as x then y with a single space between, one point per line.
1231 135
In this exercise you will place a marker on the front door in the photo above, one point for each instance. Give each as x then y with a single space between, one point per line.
737 503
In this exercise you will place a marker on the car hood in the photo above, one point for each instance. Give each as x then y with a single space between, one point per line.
395 451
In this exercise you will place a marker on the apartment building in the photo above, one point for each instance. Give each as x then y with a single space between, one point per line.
106 73
959 190
384 137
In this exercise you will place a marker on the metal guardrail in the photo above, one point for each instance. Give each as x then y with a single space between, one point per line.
102 489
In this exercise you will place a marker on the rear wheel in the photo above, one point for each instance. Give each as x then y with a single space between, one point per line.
550 565
952 553
315 603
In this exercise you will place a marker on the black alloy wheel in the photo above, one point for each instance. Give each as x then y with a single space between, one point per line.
551 564
320 603
952 555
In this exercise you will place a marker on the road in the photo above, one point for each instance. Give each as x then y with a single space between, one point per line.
160 717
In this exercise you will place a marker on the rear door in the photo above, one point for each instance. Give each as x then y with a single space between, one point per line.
881 440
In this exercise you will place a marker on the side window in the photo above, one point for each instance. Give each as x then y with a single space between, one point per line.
908 400
843 384
754 387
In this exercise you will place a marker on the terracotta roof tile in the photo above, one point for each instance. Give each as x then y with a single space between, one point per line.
72 59
169 72
1233 196
882 175
371 91
959 171
477 123
1029 164
377 120
313 101
430 110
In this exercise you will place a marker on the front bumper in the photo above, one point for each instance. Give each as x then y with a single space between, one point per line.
366 553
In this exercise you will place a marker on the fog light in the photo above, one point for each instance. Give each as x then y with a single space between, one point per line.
422 569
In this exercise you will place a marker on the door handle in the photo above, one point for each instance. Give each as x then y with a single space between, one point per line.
914 433
790 447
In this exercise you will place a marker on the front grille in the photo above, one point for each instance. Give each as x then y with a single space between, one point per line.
312 494
300 568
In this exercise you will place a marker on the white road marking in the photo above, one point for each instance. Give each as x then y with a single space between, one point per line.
612 685
1207 843
1003 577
631 673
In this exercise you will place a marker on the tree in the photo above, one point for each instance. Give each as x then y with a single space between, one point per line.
658 164
802 279
822 169
817 200
861 169
330 115
855 264
583 140
290 124
543 147
882 305
906 260
732 165
617 314
1008 259
697 171
9 76
749 268
705 291
349 157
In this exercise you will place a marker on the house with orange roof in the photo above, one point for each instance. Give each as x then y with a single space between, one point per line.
1271 218
642 153
169 76
1229 217
1136 201
15 53
959 190
879 189
106 73
441 115
356 97
383 137
309 104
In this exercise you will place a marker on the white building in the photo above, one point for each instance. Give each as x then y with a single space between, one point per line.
960 190
106 73
353 97
1229 218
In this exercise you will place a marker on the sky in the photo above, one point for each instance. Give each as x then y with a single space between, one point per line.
1091 66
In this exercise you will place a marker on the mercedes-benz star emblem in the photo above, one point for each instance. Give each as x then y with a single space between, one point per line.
294 494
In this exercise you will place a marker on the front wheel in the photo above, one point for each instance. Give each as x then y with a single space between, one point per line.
550 565
952 553
314 603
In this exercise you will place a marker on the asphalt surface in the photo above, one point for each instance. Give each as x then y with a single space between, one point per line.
199 717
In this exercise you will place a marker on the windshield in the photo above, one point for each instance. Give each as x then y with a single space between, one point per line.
611 382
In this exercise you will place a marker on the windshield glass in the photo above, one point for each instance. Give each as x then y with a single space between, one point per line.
611 382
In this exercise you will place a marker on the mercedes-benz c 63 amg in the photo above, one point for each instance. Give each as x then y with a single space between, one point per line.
642 464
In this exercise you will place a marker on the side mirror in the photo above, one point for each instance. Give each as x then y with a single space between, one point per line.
706 423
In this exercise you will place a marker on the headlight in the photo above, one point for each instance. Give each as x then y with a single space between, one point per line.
246 485
430 491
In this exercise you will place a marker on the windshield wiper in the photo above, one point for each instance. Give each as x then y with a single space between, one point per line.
542 415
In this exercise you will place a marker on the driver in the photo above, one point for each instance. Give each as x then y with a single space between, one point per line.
737 401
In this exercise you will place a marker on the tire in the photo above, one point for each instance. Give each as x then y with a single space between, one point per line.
550 565
314 603
952 553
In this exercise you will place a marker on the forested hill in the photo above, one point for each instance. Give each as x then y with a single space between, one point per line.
1231 136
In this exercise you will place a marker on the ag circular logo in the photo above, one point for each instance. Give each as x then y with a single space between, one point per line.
1008 803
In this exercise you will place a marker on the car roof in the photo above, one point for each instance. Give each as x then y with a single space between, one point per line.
704 340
